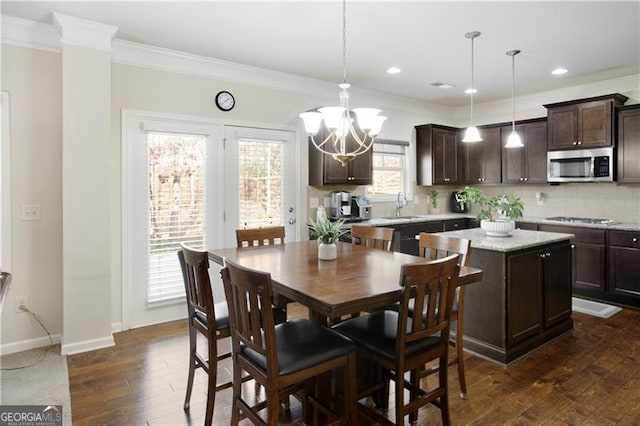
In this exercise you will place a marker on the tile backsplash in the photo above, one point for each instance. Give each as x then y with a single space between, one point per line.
601 200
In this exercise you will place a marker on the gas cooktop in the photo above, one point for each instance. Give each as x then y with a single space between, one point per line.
595 221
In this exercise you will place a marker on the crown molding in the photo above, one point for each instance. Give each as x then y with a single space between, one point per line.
31 34
84 33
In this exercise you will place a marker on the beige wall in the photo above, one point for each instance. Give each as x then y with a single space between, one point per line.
33 79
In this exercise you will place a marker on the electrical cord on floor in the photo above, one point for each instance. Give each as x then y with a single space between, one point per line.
37 318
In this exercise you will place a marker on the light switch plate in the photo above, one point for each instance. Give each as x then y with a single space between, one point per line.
30 212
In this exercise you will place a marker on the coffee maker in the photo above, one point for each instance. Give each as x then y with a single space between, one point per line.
340 205
361 207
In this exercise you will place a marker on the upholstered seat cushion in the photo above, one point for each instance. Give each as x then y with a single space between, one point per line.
396 306
377 333
302 344
221 311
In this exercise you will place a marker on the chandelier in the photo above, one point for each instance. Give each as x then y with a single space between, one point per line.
350 132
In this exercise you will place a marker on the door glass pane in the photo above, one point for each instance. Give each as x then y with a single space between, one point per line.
176 209
260 183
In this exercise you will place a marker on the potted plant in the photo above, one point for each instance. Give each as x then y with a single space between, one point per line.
433 197
497 214
327 233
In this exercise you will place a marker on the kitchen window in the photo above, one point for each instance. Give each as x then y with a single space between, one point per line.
390 165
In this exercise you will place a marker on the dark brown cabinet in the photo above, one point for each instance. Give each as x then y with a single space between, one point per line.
628 143
482 159
437 149
325 170
404 237
529 163
624 258
582 123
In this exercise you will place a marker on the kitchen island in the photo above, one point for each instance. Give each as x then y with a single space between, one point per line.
524 300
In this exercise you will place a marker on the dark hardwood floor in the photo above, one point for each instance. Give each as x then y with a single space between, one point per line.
590 376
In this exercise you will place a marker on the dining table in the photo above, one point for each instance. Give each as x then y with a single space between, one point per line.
360 279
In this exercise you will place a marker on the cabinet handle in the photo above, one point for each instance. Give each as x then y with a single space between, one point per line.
542 255
573 246
547 254
479 179
521 179
635 240
579 142
526 179
447 179
574 143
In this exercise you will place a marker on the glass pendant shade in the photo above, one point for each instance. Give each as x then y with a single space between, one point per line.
471 134
312 121
514 141
332 116
366 117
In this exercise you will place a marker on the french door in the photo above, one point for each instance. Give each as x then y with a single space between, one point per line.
193 182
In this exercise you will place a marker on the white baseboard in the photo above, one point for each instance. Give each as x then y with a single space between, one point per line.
116 327
25 345
87 345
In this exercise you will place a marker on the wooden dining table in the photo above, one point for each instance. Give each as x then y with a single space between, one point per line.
360 279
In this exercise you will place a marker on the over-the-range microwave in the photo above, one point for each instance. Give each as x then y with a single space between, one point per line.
581 165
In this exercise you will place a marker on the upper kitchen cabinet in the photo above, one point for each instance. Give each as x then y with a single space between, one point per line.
325 170
437 155
482 159
628 143
529 163
582 123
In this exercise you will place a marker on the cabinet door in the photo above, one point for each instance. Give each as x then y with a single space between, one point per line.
361 169
624 273
557 284
594 124
482 160
512 158
455 224
563 127
445 156
334 171
589 266
473 163
524 296
534 138
629 146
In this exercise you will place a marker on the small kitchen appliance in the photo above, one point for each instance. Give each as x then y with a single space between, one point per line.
580 165
361 207
456 205
340 205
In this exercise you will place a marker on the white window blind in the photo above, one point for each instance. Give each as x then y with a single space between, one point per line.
260 183
389 167
175 209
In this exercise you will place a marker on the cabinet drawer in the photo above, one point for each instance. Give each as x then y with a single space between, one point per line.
581 235
624 238
454 224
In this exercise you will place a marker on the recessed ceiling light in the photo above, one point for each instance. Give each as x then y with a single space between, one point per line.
559 71
441 85
394 70
470 91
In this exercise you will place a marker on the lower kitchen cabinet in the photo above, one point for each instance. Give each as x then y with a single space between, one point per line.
523 302
404 237
624 265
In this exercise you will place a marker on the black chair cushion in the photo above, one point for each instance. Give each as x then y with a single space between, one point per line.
396 306
377 333
303 344
221 311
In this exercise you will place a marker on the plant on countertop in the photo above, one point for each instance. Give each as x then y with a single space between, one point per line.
493 208
433 196
325 231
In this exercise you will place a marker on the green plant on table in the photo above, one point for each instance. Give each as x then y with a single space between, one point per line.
433 196
492 208
325 231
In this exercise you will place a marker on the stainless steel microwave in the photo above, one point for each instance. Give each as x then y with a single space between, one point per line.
580 165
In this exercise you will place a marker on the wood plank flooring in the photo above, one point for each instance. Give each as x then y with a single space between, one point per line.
590 376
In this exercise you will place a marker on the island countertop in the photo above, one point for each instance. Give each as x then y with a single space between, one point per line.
518 240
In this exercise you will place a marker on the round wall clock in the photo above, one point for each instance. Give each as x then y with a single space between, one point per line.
225 100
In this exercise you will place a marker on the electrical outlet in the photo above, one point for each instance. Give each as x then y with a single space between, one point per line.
22 301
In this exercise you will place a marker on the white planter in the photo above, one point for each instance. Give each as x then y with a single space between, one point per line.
327 251
500 228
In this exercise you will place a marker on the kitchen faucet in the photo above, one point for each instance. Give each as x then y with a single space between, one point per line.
400 203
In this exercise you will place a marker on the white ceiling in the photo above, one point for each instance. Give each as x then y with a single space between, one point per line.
595 40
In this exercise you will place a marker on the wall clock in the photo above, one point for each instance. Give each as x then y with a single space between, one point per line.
225 100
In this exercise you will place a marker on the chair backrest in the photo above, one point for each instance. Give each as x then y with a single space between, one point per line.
372 236
249 296
429 288
269 235
434 246
197 285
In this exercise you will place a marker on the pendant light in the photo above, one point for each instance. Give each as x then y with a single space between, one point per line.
513 141
360 125
471 134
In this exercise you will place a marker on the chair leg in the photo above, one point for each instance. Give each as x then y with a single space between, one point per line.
273 406
444 399
399 398
192 367
415 381
237 392
211 392
460 359
350 391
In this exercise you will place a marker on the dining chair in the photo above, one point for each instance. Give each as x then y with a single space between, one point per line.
399 342
372 236
434 246
207 318
280 357
268 235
